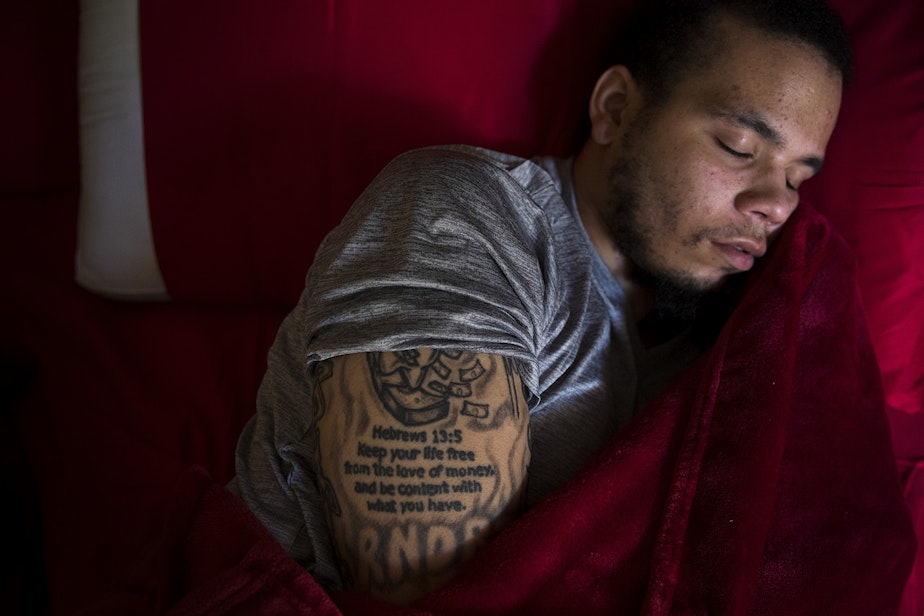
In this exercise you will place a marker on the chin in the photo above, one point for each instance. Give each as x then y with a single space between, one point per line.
714 283
698 282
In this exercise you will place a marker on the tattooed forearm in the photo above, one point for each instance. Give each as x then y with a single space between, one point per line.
426 454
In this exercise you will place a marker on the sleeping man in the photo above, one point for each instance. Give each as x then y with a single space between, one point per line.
480 325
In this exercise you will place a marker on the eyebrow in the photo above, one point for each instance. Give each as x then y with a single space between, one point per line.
752 120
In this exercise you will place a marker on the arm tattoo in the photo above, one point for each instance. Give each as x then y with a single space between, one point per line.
424 453
321 371
417 386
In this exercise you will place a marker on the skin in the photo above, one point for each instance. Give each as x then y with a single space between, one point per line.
715 171
708 179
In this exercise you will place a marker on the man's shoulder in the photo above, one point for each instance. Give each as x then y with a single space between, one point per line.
482 168
451 173
466 156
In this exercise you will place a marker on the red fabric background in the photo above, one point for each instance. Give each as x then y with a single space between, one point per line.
284 116
110 403
872 189
38 41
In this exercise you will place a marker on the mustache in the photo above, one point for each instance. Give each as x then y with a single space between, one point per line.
730 234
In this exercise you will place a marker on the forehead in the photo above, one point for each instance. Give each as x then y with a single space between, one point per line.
787 82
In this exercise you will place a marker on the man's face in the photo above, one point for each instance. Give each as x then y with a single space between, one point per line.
702 183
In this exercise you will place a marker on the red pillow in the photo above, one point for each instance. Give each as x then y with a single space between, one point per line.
872 189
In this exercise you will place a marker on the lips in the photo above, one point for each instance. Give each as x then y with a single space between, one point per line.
740 254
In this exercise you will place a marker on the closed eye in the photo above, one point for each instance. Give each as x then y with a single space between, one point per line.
732 151
746 156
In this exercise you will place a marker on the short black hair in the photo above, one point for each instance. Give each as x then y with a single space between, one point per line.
667 37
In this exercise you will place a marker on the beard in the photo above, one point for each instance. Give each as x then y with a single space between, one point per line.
678 296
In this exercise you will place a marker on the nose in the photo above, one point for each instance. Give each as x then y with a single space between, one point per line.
768 199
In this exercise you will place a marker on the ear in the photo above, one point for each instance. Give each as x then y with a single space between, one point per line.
612 103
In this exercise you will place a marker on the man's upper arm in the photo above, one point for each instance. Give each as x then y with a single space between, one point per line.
422 453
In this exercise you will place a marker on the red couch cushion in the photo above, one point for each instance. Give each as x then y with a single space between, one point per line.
39 75
263 126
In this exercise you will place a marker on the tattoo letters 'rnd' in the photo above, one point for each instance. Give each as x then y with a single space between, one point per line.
425 454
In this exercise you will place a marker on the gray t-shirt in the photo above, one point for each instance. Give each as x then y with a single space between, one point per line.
454 247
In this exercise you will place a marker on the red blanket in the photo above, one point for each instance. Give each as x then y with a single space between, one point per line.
761 482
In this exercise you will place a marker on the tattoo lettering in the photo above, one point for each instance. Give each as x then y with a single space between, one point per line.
416 488
425 461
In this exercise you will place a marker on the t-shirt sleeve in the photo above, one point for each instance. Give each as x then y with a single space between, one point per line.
276 470
445 249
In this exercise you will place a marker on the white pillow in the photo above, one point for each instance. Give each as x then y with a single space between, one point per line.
115 245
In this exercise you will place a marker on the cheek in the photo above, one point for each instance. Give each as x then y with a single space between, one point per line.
691 195
710 191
